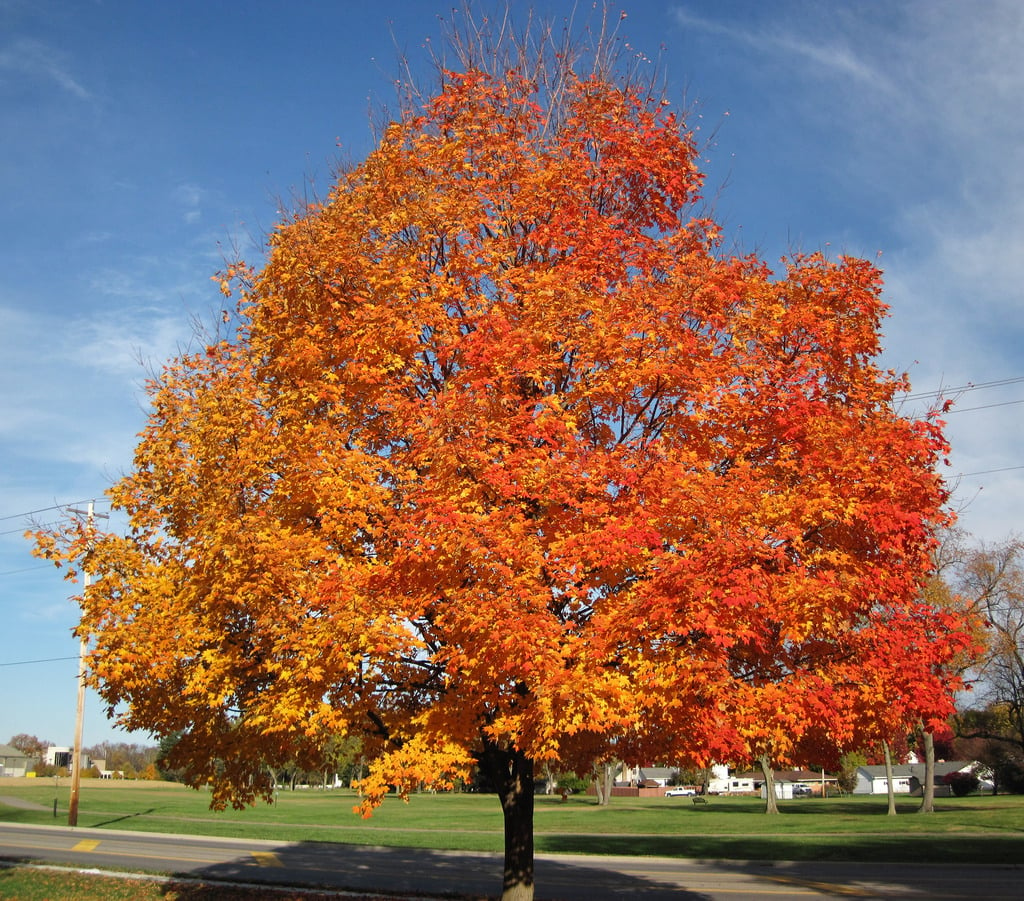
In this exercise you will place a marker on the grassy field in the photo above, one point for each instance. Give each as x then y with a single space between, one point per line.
976 829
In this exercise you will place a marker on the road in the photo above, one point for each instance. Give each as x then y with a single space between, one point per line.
559 877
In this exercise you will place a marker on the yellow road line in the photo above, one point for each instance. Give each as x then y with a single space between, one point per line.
267 859
846 891
86 844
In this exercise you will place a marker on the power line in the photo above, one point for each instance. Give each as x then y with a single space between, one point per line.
44 660
27 569
985 472
1007 403
43 510
961 389
21 530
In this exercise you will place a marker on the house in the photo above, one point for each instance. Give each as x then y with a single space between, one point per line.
656 776
791 784
724 783
13 762
907 778
646 776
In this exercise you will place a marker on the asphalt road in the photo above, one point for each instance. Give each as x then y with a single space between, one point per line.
559 877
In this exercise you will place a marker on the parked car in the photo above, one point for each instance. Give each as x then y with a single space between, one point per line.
802 791
679 792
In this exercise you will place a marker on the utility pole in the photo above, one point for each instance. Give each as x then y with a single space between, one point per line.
76 754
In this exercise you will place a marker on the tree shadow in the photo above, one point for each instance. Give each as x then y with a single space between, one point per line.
390 872
883 879
122 818
980 848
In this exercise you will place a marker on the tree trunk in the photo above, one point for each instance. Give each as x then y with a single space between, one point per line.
888 778
928 788
512 775
604 779
771 804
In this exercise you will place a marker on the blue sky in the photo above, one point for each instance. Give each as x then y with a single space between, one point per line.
145 140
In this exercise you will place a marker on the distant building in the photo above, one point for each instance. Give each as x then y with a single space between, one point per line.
63 757
14 762
907 778
724 783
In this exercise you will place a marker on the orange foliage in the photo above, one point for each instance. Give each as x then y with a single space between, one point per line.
507 453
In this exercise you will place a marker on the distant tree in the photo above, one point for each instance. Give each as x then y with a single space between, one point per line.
846 778
30 745
573 783
689 776
164 764
340 758
121 755
289 775
1003 759
991 577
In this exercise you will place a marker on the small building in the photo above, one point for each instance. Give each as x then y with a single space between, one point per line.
63 757
907 778
646 776
790 784
722 782
14 762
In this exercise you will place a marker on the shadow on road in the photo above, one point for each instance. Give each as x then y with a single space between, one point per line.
425 872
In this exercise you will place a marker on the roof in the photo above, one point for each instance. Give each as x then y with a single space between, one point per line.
8 751
786 776
905 770
657 772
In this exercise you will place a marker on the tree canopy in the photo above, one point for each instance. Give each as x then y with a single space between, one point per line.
505 461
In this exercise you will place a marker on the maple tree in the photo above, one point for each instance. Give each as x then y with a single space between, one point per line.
506 463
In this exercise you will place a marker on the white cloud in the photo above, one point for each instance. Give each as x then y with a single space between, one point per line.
31 58
73 385
830 56
190 197
922 101
128 348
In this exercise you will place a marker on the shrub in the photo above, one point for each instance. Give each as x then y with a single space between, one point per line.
962 784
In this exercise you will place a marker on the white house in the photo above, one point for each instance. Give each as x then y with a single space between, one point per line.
907 778
646 775
722 783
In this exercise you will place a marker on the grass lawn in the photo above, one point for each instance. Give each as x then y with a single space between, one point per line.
49 883
977 829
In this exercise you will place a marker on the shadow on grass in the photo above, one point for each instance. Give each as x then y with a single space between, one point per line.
34 817
920 848
122 818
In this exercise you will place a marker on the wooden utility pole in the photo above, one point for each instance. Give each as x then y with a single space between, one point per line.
76 753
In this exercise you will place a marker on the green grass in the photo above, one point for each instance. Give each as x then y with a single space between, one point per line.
976 829
48 883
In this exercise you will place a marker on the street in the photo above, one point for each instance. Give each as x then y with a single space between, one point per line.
559 877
